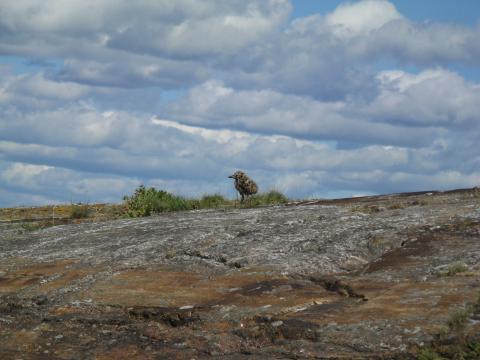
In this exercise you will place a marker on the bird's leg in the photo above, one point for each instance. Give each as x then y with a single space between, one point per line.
242 198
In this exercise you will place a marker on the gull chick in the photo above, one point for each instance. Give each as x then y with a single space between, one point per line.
244 185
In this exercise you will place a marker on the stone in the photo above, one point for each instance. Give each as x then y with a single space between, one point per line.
316 279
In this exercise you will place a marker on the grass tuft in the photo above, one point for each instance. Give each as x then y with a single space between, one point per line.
208 202
367 209
453 269
79 212
273 197
429 354
458 319
148 201
396 206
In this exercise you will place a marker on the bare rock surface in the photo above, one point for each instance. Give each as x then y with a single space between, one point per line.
367 278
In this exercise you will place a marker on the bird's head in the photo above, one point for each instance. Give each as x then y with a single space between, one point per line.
237 175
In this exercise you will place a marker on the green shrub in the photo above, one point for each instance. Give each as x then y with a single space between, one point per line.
459 318
208 202
473 349
79 212
454 269
28 227
395 206
457 268
145 202
429 354
212 201
272 197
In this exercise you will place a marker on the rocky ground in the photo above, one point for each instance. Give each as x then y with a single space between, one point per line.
386 277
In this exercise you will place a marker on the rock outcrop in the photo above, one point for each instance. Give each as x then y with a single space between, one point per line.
367 278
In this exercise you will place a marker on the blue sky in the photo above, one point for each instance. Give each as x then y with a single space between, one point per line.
313 98
460 12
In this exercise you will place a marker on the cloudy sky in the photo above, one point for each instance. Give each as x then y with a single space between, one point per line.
313 98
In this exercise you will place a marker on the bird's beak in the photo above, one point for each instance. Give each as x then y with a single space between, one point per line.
231 176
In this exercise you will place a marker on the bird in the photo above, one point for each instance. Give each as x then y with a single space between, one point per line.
244 185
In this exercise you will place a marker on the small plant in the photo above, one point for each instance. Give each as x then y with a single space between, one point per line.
429 354
212 201
113 211
396 206
457 268
272 197
454 269
476 191
145 202
473 350
28 227
461 347
458 319
79 212
370 209
36 225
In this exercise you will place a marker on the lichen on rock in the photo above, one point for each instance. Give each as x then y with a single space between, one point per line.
324 279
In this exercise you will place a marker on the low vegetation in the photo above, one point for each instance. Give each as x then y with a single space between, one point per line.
143 202
452 342
79 212
368 209
396 206
462 350
453 269
272 197
148 201
212 201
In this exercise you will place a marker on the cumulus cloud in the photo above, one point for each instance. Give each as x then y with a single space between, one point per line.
145 43
330 57
361 17
431 101
34 91
374 29
21 184
432 98
304 106
24 175
218 28
179 29
133 72
247 43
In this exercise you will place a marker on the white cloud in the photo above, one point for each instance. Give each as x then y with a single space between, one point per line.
133 71
271 112
24 175
179 28
37 85
361 17
449 179
300 106
222 136
34 91
422 44
246 43
331 57
39 184
219 32
433 97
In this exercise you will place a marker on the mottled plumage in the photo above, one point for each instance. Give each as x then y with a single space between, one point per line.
244 185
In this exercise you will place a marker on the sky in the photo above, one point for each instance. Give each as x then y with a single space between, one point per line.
317 99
